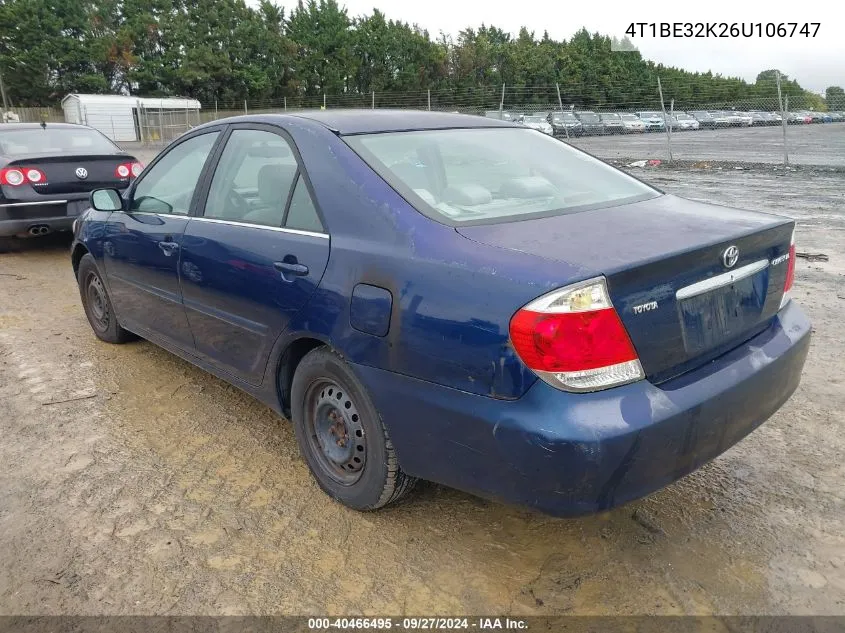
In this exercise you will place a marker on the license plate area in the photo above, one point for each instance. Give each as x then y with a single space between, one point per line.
76 207
713 318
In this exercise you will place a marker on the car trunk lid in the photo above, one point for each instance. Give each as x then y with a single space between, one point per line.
665 264
76 174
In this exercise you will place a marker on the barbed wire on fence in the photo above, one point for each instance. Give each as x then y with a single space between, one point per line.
157 126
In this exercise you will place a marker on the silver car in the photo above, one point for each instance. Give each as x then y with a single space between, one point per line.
682 122
632 123
537 122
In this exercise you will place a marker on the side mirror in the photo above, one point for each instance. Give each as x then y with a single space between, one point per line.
106 200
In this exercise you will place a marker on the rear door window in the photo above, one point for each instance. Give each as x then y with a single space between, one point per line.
253 179
302 213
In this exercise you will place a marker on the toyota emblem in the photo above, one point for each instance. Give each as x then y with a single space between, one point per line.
730 256
81 173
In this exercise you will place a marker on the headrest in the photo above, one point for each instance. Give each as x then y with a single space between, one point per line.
274 183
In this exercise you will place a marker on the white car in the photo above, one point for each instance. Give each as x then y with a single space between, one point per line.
632 123
683 121
653 121
746 119
537 123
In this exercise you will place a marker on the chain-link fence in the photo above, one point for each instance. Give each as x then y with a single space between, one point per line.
159 126
664 121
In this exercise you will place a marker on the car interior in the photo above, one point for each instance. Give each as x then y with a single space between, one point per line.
256 174
470 176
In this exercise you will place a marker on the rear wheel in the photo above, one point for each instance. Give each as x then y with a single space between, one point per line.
341 436
98 307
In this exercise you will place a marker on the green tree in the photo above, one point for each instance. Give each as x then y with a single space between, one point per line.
228 51
322 32
835 97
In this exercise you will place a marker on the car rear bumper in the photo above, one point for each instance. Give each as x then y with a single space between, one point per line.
570 454
18 217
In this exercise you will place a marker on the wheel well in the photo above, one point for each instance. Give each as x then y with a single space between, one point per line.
295 352
78 252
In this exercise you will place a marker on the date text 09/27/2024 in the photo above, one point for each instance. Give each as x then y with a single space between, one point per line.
723 29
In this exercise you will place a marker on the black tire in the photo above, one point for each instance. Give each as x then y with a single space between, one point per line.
325 390
97 304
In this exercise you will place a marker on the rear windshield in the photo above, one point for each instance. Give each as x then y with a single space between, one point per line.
484 176
56 140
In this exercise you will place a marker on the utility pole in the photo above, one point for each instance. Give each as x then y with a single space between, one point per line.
3 93
560 105
784 109
666 123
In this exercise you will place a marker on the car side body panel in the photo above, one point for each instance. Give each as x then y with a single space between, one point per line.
237 300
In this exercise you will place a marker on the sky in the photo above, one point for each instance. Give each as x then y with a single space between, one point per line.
816 62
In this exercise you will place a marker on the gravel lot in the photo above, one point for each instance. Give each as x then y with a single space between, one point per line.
819 144
164 490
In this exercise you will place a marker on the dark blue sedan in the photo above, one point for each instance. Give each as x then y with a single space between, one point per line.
452 298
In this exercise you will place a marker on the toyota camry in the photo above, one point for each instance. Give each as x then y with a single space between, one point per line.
452 298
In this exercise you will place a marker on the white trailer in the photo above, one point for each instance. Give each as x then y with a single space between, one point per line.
127 118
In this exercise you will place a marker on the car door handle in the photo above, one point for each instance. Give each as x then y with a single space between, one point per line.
291 268
168 248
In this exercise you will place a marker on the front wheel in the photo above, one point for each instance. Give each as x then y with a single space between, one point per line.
341 435
97 304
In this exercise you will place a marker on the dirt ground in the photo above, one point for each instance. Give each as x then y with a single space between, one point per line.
133 483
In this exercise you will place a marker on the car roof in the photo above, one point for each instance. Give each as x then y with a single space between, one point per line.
371 121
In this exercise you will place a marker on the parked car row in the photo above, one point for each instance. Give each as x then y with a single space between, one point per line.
588 122
807 116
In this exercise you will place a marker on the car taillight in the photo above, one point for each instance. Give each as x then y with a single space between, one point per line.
123 171
136 169
12 177
16 176
790 273
574 340
36 176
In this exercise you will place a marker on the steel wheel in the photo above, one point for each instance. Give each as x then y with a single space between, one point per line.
335 431
342 436
98 305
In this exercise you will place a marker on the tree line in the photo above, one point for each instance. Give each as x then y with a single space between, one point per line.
225 51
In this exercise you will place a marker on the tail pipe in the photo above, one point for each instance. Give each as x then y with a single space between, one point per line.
39 229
